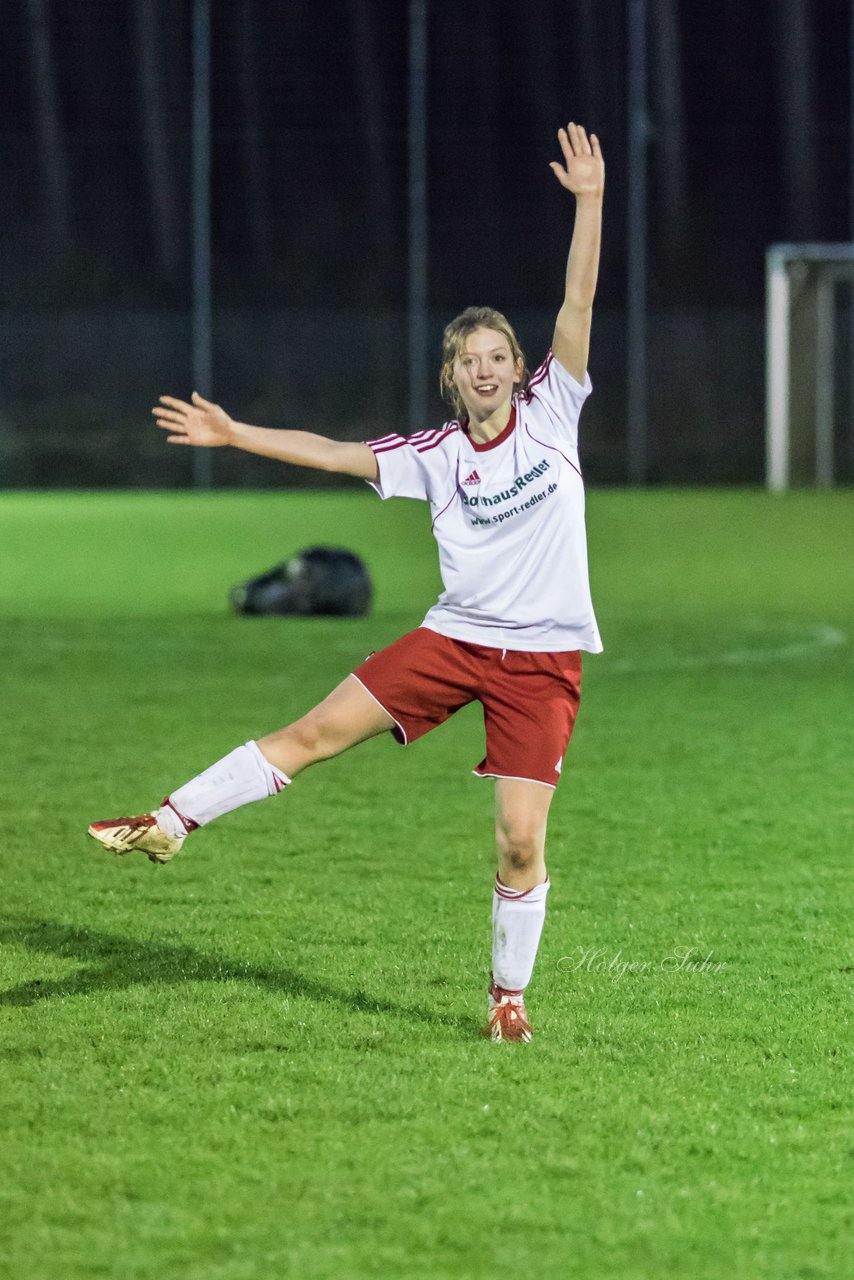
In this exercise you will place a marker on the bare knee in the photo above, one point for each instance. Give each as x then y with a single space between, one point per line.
520 845
305 742
347 716
314 735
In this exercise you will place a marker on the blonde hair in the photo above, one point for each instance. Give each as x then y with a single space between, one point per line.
454 340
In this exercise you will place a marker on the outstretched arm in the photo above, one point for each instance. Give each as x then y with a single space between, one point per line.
582 173
206 424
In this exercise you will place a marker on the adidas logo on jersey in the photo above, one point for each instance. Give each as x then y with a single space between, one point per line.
474 478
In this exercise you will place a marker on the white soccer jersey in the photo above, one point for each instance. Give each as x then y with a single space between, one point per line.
509 520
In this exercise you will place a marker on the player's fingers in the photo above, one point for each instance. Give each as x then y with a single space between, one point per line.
594 142
178 440
175 404
574 140
168 415
563 139
559 172
197 399
586 148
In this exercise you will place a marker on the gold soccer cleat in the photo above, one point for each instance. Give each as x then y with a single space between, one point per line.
123 835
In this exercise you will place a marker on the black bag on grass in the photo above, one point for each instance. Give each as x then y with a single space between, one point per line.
319 580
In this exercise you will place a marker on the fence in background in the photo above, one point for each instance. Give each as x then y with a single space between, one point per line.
76 389
315 148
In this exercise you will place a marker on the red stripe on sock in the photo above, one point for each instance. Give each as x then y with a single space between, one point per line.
188 822
504 891
498 993
511 895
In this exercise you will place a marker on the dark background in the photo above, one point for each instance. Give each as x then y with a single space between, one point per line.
749 144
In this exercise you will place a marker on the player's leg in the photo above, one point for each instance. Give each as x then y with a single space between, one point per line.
521 817
518 900
349 715
530 702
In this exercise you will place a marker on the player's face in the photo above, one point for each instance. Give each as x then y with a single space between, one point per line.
484 372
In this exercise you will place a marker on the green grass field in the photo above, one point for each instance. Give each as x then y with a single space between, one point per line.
264 1059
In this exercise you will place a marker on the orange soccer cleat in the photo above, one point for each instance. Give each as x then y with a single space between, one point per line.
507 1017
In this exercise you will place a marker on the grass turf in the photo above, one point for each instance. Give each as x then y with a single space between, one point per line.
264 1058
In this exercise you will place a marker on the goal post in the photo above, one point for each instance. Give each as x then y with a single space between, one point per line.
802 360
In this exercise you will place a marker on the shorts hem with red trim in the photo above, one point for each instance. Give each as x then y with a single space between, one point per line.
530 700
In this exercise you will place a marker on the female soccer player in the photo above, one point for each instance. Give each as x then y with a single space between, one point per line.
505 488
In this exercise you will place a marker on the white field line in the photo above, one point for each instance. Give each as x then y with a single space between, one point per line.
813 641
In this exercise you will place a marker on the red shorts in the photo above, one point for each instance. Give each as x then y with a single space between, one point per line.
529 700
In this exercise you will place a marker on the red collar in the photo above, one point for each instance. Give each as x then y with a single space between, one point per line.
499 439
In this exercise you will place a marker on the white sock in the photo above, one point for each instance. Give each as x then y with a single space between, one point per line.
517 923
242 776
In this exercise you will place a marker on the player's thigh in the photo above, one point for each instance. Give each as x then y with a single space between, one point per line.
521 813
346 716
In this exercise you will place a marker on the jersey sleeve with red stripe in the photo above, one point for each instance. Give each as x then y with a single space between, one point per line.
413 466
557 398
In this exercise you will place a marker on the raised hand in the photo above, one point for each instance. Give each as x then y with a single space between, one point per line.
199 423
583 170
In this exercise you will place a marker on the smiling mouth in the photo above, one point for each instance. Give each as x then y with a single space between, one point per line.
489 389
